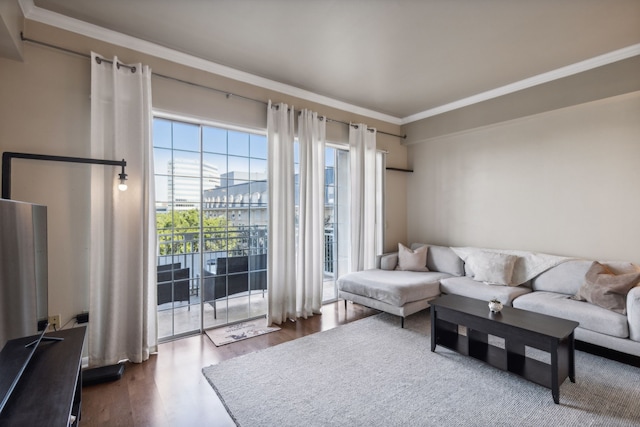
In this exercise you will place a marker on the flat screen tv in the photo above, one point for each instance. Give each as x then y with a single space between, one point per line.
23 286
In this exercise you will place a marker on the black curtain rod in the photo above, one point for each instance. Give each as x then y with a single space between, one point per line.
100 60
7 156
226 93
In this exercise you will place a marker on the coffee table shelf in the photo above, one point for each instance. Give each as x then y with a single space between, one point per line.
518 328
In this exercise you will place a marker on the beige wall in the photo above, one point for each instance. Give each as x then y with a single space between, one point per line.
11 24
45 108
565 181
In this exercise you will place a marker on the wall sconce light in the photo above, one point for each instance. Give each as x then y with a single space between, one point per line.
123 178
6 167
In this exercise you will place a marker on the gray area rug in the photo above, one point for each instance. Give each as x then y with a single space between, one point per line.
373 373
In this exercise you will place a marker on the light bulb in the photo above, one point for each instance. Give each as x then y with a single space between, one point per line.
123 182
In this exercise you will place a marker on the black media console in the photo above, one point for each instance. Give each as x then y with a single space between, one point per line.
49 391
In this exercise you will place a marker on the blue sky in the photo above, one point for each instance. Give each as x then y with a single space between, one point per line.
228 150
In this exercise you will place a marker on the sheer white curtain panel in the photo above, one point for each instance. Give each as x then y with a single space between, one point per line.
281 271
122 239
362 155
311 140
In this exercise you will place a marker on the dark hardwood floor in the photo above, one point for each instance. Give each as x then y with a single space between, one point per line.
170 390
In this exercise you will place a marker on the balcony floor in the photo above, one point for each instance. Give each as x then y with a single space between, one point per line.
184 319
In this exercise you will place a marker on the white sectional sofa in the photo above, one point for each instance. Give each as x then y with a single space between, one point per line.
400 292
537 282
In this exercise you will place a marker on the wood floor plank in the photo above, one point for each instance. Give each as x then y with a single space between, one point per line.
170 390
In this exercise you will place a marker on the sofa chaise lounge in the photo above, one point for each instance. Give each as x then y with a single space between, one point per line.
547 284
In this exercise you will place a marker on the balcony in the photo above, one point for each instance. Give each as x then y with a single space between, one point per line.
229 276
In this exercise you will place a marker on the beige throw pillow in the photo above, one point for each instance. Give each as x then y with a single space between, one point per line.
608 290
412 260
493 268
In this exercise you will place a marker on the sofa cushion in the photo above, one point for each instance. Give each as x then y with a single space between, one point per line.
468 287
633 313
605 289
388 261
589 316
412 260
527 266
393 287
492 268
565 278
442 259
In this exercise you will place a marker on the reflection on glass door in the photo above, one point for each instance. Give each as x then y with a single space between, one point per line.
211 203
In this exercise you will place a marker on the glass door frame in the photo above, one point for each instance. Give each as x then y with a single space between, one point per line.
198 279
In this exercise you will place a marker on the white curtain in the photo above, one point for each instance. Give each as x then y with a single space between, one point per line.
281 271
362 154
122 238
311 139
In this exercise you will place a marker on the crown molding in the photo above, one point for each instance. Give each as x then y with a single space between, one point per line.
35 13
579 67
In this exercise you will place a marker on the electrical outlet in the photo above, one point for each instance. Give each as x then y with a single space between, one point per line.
54 322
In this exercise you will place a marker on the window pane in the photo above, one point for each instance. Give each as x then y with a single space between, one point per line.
329 196
258 146
329 156
162 190
185 191
210 177
185 163
236 193
161 160
258 169
238 143
216 162
258 193
161 133
216 201
329 183
214 140
186 136
238 167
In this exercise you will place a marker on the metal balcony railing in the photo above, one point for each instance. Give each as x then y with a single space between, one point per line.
179 248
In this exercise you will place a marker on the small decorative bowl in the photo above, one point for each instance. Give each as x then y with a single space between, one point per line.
495 306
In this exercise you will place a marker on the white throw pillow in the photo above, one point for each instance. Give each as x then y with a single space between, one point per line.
412 260
492 267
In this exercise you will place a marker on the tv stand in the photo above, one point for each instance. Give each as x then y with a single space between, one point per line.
44 339
49 391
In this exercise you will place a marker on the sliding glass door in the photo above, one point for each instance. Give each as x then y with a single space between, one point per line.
234 283
335 212
337 215
211 213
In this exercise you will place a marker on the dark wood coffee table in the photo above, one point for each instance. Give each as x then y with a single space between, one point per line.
518 328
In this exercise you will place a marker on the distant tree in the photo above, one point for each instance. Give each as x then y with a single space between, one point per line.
186 229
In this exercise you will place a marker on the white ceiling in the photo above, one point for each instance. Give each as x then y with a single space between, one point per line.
401 58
